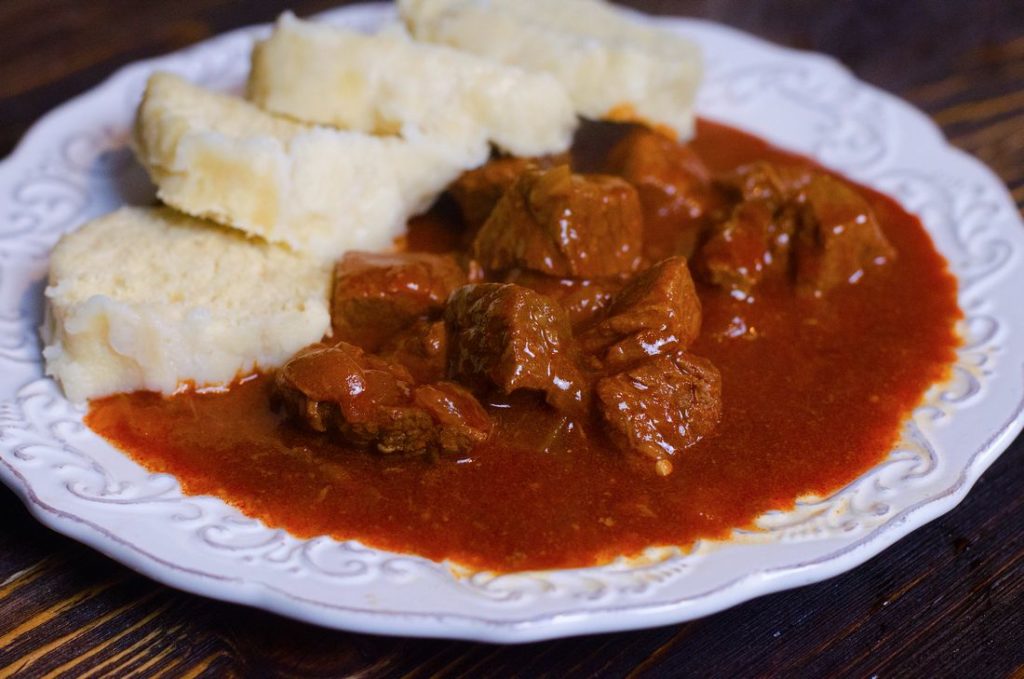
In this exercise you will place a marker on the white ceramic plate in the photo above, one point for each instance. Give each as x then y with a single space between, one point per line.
74 165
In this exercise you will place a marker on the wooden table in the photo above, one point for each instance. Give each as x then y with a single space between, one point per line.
947 600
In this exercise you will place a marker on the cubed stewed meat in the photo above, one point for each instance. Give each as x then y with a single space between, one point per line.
582 298
773 183
378 295
477 191
422 349
674 187
653 162
661 406
564 224
795 220
657 312
370 402
459 421
509 337
753 241
839 237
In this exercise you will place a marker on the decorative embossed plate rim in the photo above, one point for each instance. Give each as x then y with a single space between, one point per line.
74 164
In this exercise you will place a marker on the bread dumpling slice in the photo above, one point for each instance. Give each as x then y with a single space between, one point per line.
386 83
319 191
614 67
150 299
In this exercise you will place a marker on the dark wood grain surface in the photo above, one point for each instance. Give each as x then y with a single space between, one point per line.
946 601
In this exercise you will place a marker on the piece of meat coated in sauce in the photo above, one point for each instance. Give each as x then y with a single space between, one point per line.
657 312
753 241
674 186
564 224
582 298
460 422
839 237
376 295
794 220
755 238
421 349
476 192
661 406
509 337
774 183
373 403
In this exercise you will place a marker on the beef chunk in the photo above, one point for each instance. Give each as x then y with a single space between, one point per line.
740 251
654 162
582 298
370 402
510 337
562 224
341 387
377 295
477 191
460 422
344 375
838 238
421 349
657 312
792 219
531 426
661 406
770 182
674 187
